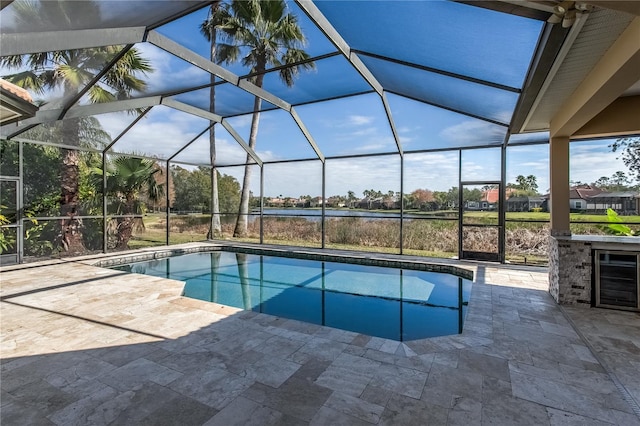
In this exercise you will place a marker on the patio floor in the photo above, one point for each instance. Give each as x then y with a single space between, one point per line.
85 345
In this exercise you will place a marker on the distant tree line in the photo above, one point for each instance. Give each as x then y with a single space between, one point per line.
193 190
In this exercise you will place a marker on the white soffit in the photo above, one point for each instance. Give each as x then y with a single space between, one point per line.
600 31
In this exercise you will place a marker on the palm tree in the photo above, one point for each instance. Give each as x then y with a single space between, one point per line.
128 178
218 14
267 35
71 70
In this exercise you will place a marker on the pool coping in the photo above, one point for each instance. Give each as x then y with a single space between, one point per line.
426 265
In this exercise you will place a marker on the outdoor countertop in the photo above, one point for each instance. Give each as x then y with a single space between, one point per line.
629 243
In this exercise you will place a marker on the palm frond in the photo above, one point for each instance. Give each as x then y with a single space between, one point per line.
27 80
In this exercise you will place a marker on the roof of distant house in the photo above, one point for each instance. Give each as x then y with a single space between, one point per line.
619 194
493 195
526 198
584 192
16 90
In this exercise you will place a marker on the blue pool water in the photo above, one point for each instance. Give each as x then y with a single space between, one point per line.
392 303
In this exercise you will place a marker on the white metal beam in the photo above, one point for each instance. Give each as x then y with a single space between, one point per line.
42 116
51 115
49 41
213 117
392 124
334 36
108 107
241 141
180 106
306 133
182 52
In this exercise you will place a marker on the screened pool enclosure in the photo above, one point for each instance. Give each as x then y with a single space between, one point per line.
409 127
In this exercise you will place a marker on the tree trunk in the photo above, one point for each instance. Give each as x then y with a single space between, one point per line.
72 240
125 224
215 227
243 214
125 231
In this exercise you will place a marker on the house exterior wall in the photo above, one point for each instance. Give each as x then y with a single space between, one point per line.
577 204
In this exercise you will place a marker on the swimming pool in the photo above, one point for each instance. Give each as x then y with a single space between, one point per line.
398 304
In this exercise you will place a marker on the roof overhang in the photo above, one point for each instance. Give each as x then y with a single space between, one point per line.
608 80
15 103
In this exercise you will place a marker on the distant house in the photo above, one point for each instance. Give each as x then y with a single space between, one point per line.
316 202
578 197
524 203
334 202
587 198
275 202
625 202
489 200
378 203
473 205
364 203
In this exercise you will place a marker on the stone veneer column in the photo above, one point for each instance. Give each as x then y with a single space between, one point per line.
559 182
558 204
570 271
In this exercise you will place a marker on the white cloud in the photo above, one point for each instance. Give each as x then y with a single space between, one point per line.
588 163
471 132
242 121
359 120
169 71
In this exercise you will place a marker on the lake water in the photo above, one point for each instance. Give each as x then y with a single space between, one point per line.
316 214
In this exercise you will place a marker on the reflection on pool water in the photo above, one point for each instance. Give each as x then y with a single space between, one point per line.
398 304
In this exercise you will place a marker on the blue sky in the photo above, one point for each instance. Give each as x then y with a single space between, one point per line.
358 124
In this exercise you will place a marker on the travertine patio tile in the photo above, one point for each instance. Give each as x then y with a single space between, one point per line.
215 388
112 347
448 358
137 373
484 364
464 412
192 362
329 416
355 407
14 413
404 381
42 397
564 418
558 329
244 412
625 419
507 411
95 409
402 410
532 370
376 395
124 352
558 395
322 348
270 371
295 397
344 380
457 382
279 346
